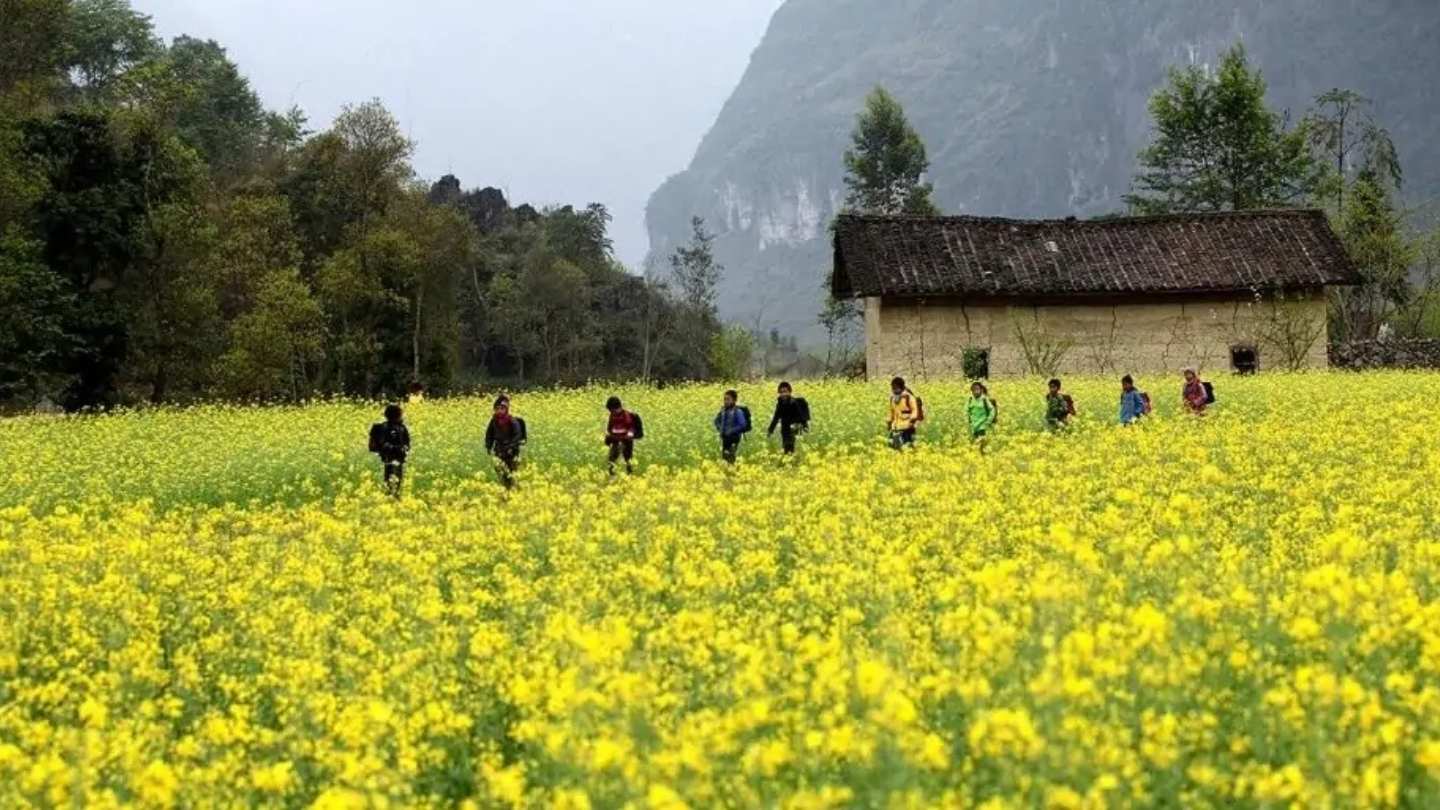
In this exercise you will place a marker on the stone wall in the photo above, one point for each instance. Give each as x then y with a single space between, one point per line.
1391 353
928 338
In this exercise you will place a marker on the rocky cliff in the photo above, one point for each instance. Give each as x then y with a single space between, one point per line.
1029 108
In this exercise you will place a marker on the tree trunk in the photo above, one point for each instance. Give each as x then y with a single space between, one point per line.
415 338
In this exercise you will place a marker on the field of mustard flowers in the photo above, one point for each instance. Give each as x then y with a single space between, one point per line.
216 607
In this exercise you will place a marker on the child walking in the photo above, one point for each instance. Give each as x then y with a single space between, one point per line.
390 440
981 412
792 414
504 439
622 430
906 414
732 423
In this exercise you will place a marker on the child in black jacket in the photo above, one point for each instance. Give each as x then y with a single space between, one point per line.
390 440
792 414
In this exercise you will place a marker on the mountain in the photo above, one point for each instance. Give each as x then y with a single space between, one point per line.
1029 108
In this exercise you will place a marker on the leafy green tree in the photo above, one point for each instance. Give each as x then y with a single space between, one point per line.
36 344
277 345
696 277
886 163
1218 147
107 39
220 115
32 51
374 163
542 313
1348 141
1375 236
730 352
696 273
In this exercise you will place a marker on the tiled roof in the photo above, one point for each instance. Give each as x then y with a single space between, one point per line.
1184 253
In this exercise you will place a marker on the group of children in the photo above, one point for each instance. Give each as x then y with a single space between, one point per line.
506 435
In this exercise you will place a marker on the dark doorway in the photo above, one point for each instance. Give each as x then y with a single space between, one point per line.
1244 359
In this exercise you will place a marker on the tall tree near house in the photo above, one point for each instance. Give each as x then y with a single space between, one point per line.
1218 147
841 319
886 163
1348 140
1375 236
885 170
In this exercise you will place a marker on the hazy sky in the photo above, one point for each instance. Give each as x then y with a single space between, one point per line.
554 101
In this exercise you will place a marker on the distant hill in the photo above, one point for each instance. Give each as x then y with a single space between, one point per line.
1029 108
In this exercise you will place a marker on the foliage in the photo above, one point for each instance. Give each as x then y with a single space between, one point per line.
731 352
844 329
886 163
1375 237
215 605
199 245
1218 147
1349 142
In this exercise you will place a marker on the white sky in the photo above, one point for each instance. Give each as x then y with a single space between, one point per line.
555 101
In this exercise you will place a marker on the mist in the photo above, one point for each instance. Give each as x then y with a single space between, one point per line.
554 101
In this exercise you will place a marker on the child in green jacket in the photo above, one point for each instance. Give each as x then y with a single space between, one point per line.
982 412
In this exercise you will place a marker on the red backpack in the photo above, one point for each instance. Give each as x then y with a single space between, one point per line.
1145 408
1069 405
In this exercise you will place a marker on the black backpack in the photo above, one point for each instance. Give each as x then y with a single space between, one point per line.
639 426
749 423
804 408
1209 393
386 438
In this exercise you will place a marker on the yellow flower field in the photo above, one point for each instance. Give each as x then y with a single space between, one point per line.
216 607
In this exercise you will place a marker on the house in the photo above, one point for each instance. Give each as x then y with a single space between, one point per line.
975 297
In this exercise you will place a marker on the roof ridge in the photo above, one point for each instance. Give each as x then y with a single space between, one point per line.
1252 213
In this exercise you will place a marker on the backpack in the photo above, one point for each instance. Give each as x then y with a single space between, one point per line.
1069 405
804 408
919 408
639 425
749 423
1145 407
1209 393
385 439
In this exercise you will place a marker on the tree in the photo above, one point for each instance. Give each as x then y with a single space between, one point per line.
886 163
1218 147
697 276
696 273
36 344
32 50
1374 235
1348 140
220 115
107 39
275 345
730 353
374 163
841 319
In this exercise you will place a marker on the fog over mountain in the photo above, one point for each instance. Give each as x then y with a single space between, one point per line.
1029 108
554 100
